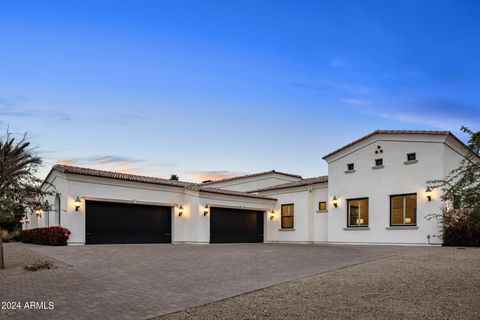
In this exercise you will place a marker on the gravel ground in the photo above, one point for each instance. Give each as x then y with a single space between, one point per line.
435 283
18 255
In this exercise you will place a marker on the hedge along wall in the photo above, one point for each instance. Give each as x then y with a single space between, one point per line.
51 236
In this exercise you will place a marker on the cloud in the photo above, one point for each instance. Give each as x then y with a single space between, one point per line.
441 114
213 175
7 111
335 63
423 120
359 102
116 163
332 88
123 119
107 159
7 102
338 63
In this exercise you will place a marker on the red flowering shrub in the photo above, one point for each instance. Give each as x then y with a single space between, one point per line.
51 236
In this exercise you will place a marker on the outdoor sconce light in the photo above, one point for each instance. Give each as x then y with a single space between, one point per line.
335 201
205 211
25 220
77 203
428 193
272 215
38 212
180 210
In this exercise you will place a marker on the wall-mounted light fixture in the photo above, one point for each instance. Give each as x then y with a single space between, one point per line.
272 214
428 193
180 210
78 202
38 212
205 210
335 201
25 220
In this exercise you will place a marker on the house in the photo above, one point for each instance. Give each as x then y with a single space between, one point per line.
375 193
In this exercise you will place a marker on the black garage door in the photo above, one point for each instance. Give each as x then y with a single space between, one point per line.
234 225
110 222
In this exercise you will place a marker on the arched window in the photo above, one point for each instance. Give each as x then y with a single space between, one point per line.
57 209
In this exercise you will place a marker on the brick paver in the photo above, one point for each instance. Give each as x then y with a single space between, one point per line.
144 281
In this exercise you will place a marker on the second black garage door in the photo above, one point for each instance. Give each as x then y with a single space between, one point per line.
111 222
235 225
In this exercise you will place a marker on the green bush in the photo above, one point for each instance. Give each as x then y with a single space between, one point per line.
10 222
461 197
462 227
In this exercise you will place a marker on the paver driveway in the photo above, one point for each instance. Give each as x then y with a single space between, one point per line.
144 281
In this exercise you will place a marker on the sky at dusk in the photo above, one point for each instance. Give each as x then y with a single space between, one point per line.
209 89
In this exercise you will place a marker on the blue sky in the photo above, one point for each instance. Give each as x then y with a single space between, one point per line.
208 89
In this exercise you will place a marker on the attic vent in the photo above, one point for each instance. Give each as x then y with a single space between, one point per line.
379 150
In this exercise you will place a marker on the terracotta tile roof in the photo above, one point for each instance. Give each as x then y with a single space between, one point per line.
152 180
301 183
234 193
425 132
253 175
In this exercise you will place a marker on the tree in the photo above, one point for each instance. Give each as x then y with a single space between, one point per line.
174 177
474 141
461 195
20 188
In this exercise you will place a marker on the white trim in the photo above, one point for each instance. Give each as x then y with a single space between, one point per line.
189 242
402 228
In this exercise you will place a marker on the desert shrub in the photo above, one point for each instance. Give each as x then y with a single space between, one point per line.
16 235
51 236
6 236
38 266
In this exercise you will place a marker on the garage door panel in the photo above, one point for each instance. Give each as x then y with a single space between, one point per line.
109 222
235 225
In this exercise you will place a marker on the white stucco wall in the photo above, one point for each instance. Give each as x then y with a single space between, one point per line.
192 227
395 178
309 225
56 183
436 156
320 218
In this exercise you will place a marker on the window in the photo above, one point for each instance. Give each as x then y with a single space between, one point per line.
411 156
357 212
379 162
322 206
403 210
350 166
287 216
